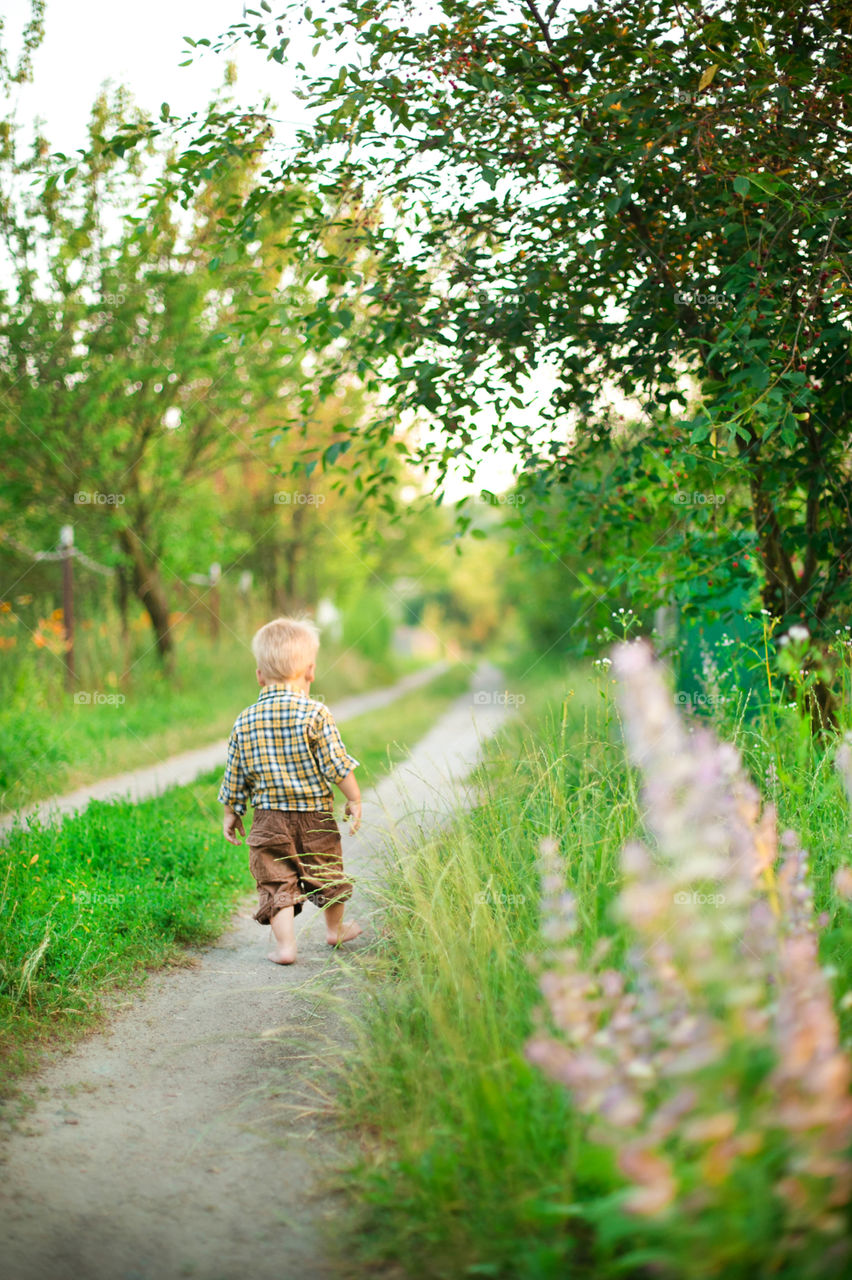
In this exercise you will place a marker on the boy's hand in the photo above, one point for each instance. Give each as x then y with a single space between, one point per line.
232 824
353 811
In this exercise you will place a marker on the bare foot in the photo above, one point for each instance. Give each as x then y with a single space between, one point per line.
345 933
283 955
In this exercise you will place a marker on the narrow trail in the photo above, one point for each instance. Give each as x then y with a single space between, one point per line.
178 770
185 1139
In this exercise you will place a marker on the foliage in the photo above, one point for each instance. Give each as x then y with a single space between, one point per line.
710 1061
31 37
471 1163
559 204
123 383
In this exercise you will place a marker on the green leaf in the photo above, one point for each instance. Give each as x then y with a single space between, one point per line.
741 185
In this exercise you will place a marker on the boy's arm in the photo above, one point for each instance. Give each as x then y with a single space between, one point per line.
336 764
233 792
352 792
232 824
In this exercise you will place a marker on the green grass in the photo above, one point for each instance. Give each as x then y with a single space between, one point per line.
472 1162
91 904
51 743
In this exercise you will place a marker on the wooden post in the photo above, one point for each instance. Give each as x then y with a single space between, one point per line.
215 601
66 541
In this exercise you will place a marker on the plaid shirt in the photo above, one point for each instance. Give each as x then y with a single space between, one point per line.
284 753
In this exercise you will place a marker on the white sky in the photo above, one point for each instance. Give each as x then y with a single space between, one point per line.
90 42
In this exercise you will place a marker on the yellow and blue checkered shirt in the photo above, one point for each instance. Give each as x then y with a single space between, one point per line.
284 752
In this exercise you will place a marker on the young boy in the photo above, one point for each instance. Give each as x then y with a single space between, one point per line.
284 752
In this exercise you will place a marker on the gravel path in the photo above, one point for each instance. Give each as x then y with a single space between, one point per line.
189 765
191 1138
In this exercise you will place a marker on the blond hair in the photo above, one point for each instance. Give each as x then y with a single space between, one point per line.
285 647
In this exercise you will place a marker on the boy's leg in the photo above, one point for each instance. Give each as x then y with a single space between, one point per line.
335 930
322 874
283 925
277 878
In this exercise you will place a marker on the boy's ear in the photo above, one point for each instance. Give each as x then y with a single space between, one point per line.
261 678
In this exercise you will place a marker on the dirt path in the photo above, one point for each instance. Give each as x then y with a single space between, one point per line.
189 765
185 1141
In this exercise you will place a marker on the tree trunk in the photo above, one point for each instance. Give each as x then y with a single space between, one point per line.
781 593
149 589
123 597
293 549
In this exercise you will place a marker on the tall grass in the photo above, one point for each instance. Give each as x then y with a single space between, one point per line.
472 1162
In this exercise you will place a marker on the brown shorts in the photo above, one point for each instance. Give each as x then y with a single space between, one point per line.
295 857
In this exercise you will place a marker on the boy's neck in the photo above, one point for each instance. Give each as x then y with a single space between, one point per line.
298 684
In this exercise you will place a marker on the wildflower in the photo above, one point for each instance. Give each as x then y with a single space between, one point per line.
657 1054
843 882
655 1187
843 764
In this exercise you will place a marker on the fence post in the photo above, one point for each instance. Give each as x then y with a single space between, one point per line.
215 600
66 541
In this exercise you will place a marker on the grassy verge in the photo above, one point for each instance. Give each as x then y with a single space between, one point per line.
472 1162
52 741
89 905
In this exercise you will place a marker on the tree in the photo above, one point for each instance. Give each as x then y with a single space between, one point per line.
629 195
31 37
123 380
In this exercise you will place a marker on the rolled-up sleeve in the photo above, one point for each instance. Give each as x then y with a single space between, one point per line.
234 789
333 760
